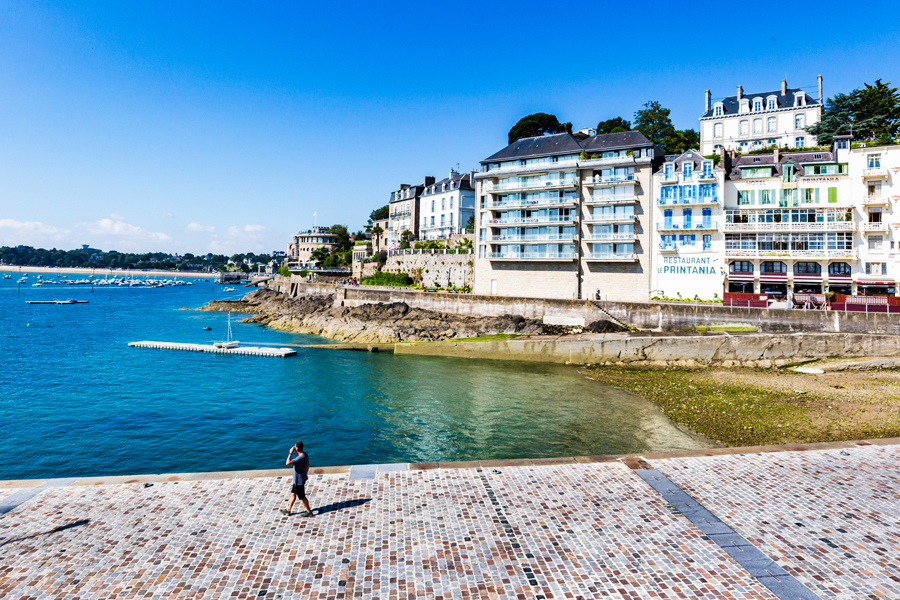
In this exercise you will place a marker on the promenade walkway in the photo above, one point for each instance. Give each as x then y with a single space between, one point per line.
822 523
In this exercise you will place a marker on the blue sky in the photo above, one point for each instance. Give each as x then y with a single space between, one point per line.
218 126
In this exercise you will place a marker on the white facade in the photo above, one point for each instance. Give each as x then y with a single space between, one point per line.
403 211
446 206
688 218
755 121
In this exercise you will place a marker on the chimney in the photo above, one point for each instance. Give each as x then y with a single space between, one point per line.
820 88
783 87
723 160
706 104
740 93
776 154
429 180
472 178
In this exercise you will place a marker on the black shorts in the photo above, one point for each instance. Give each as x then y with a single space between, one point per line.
298 491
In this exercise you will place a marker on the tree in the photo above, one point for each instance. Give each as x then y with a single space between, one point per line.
838 118
404 238
377 231
614 125
470 225
379 214
319 254
681 141
342 237
871 113
537 124
654 122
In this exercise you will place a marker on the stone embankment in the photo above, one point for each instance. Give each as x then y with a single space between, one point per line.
376 323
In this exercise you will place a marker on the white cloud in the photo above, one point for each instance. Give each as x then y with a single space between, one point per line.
32 227
198 228
116 216
167 215
125 230
253 230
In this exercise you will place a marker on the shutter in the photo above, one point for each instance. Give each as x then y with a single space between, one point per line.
832 194
817 195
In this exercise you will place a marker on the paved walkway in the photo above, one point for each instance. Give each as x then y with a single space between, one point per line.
596 530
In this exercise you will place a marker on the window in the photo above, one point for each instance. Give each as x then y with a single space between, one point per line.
451 219
799 121
839 268
843 144
717 147
745 127
770 104
717 130
432 221
874 215
745 106
876 268
811 195
757 126
687 240
707 242
799 142
807 268
757 105
667 170
687 170
451 202
717 110
772 124
443 204
773 266
876 242
874 161
432 208
740 266
442 220
707 169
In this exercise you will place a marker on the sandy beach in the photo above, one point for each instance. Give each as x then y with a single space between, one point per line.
103 272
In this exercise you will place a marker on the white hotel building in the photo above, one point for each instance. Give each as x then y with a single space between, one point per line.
755 121
446 206
813 221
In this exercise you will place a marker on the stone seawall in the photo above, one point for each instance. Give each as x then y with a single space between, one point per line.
751 350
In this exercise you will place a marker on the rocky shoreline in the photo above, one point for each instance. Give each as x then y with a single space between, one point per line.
379 323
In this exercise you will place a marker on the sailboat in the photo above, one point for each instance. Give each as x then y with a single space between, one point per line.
229 343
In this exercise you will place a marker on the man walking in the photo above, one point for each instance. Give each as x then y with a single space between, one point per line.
301 468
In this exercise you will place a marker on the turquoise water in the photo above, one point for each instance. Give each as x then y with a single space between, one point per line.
76 400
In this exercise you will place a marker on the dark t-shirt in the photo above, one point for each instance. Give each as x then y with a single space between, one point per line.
301 468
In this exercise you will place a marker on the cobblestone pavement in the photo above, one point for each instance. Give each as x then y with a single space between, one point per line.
569 531
831 518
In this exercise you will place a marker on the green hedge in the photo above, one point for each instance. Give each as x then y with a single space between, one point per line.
391 279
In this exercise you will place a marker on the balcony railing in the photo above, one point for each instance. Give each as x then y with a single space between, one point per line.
404 213
525 220
608 218
875 172
671 178
681 224
875 201
597 179
707 246
609 199
680 201
754 253
610 236
610 256
706 176
881 226
550 237
827 226
527 203
531 256
526 185
667 246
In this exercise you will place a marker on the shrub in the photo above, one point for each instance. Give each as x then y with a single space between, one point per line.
284 271
388 279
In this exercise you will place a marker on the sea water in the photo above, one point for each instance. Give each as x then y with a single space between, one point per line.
75 400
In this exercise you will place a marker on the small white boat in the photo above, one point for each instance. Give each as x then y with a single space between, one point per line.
36 285
229 343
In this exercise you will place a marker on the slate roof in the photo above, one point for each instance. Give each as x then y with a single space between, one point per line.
731 105
689 156
768 160
566 143
461 179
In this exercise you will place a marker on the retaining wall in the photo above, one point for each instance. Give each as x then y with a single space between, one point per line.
751 350
683 317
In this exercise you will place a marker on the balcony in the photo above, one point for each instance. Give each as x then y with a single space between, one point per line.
404 213
747 252
706 176
528 185
668 247
708 200
610 200
826 226
534 256
551 237
609 179
609 218
611 237
686 225
875 201
875 173
610 257
879 226
526 220
533 203
667 179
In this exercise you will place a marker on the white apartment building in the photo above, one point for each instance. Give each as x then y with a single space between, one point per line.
875 187
805 222
446 206
404 211
303 244
688 217
755 121
566 216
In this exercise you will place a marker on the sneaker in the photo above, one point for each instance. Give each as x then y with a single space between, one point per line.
306 514
285 512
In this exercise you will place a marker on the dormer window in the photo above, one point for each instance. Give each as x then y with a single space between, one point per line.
817 156
757 105
717 110
667 170
799 98
771 103
707 168
687 169
745 106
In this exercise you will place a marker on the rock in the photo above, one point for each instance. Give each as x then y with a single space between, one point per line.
765 363
808 371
